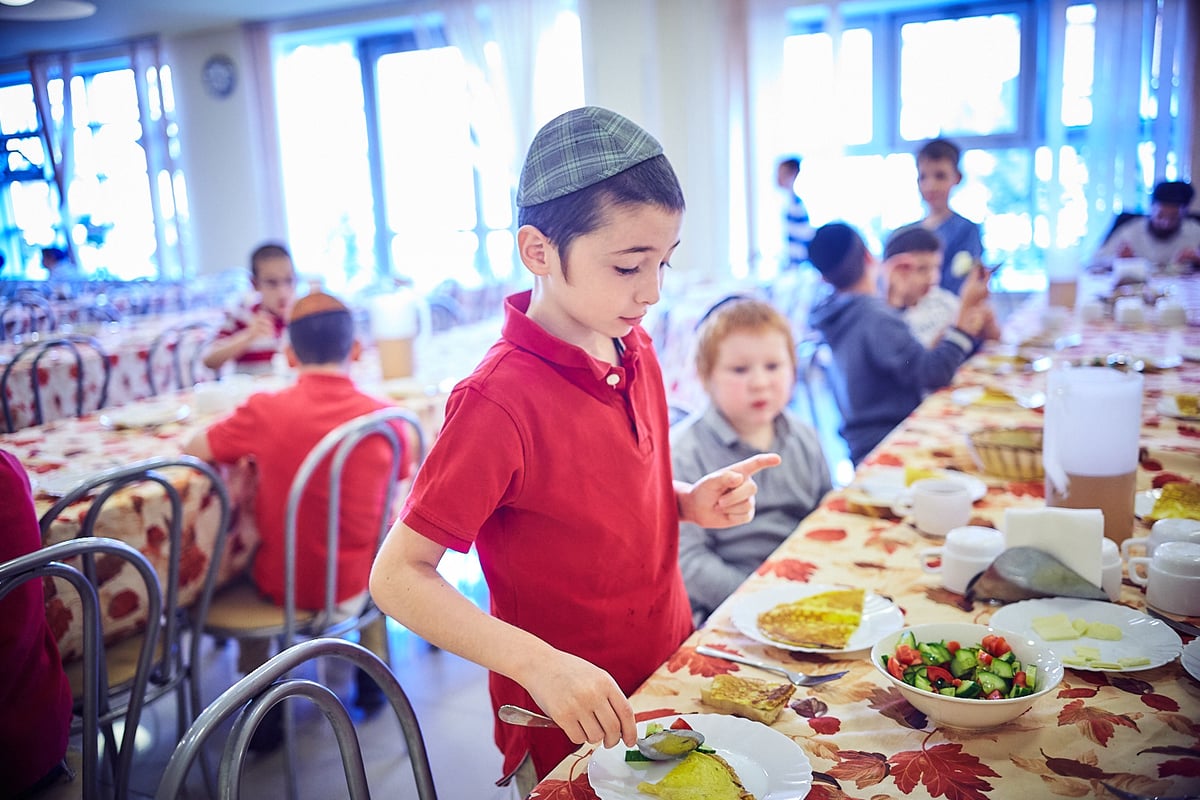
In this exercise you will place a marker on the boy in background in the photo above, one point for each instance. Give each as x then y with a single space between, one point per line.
746 359
277 430
253 331
912 265
554 462
797 230
883 369
937 175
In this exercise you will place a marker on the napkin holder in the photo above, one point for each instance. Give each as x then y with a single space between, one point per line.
1025 573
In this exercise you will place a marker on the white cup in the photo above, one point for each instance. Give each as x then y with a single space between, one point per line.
213 397
1172 578
1110 569
1129 311
968 551
1165 530
936 505
1170 313
1092 311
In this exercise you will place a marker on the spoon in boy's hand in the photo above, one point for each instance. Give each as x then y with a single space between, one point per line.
663 745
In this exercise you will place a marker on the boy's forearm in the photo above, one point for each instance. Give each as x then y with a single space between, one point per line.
227 347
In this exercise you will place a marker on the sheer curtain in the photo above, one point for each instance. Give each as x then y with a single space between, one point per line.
58 135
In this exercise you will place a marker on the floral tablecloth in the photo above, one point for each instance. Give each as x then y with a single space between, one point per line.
1138 731
127 346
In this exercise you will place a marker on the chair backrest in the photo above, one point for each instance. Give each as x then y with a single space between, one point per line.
185 343
34 353
337 446
51 562
26 313
171 669
268 685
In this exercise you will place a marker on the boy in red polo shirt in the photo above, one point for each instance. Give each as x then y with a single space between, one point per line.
554 460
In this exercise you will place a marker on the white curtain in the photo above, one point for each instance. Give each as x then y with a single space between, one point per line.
58 135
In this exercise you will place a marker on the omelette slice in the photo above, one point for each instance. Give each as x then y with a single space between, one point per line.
827 619
700 776
1188 404
1178 500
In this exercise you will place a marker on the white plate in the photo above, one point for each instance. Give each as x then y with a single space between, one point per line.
1168 407
770 765
1145 636
144 415
1191 658
880 616
1143 502
884 485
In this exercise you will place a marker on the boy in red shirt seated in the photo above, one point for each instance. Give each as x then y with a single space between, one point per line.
277 430
554 461
253 332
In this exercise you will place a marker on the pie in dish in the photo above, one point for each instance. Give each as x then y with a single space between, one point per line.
699 776
748 697
1188 404
827 619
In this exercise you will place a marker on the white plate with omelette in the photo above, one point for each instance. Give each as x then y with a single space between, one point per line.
769 764
880 616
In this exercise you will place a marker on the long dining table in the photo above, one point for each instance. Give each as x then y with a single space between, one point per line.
1137 731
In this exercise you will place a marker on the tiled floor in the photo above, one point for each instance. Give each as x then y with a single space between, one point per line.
448 694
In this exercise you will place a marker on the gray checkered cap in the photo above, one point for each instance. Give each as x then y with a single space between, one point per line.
579 149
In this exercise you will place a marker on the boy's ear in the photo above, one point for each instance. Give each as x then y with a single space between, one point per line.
536 251
290 352
355 351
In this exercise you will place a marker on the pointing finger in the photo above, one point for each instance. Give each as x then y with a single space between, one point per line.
756 463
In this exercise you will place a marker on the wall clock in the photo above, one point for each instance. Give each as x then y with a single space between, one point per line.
219 75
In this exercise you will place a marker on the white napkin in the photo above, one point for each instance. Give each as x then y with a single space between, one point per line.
1074 536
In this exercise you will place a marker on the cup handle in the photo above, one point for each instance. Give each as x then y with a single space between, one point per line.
1128 544
928 553
902 506
1134 575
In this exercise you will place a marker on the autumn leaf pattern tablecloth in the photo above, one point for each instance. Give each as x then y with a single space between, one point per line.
1138 731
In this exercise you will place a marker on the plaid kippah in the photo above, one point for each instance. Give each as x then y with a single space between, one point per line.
579 149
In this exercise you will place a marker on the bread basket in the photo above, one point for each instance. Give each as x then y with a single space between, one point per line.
1014 454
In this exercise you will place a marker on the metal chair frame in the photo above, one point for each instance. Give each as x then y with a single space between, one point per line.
177 335
252 697
31 306
172 672
50 562
37 351
336 446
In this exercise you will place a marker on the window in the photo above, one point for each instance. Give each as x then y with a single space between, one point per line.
398 154
1013 84
109 218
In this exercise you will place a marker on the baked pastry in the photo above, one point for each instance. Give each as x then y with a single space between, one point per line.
747 697
827 619
699 776
1188 404
1178 500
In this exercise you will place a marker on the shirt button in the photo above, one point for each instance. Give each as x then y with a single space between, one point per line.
613 379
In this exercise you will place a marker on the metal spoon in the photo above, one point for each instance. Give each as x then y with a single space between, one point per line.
666 745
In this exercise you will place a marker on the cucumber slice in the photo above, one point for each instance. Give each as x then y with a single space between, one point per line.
963 662
990 681
1031 677
1001 668
968 689
907 638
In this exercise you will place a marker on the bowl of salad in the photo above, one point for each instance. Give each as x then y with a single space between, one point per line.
964 675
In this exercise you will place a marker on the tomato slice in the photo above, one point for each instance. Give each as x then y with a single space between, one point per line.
985 657
953 646
895 668
1020 678
908 655
940 677
680 724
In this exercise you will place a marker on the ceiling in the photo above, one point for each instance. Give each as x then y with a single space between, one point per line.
25 29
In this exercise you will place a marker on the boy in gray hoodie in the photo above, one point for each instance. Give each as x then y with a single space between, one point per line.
885 371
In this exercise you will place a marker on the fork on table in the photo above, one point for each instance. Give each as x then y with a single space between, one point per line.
797 678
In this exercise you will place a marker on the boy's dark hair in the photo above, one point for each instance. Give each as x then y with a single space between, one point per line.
564 219
324 337
911 239
792 164
839 254
939 150
265 251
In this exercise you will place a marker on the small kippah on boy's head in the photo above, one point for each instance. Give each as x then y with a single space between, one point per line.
837 251
321 329
1173 193
579 149
911 239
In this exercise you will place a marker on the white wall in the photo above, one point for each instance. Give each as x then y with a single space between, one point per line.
232 194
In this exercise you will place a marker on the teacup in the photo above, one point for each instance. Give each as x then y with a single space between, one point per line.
1129 311
936 504
1110 569
1165 530
1172 578
968 551
1170 313
212 397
